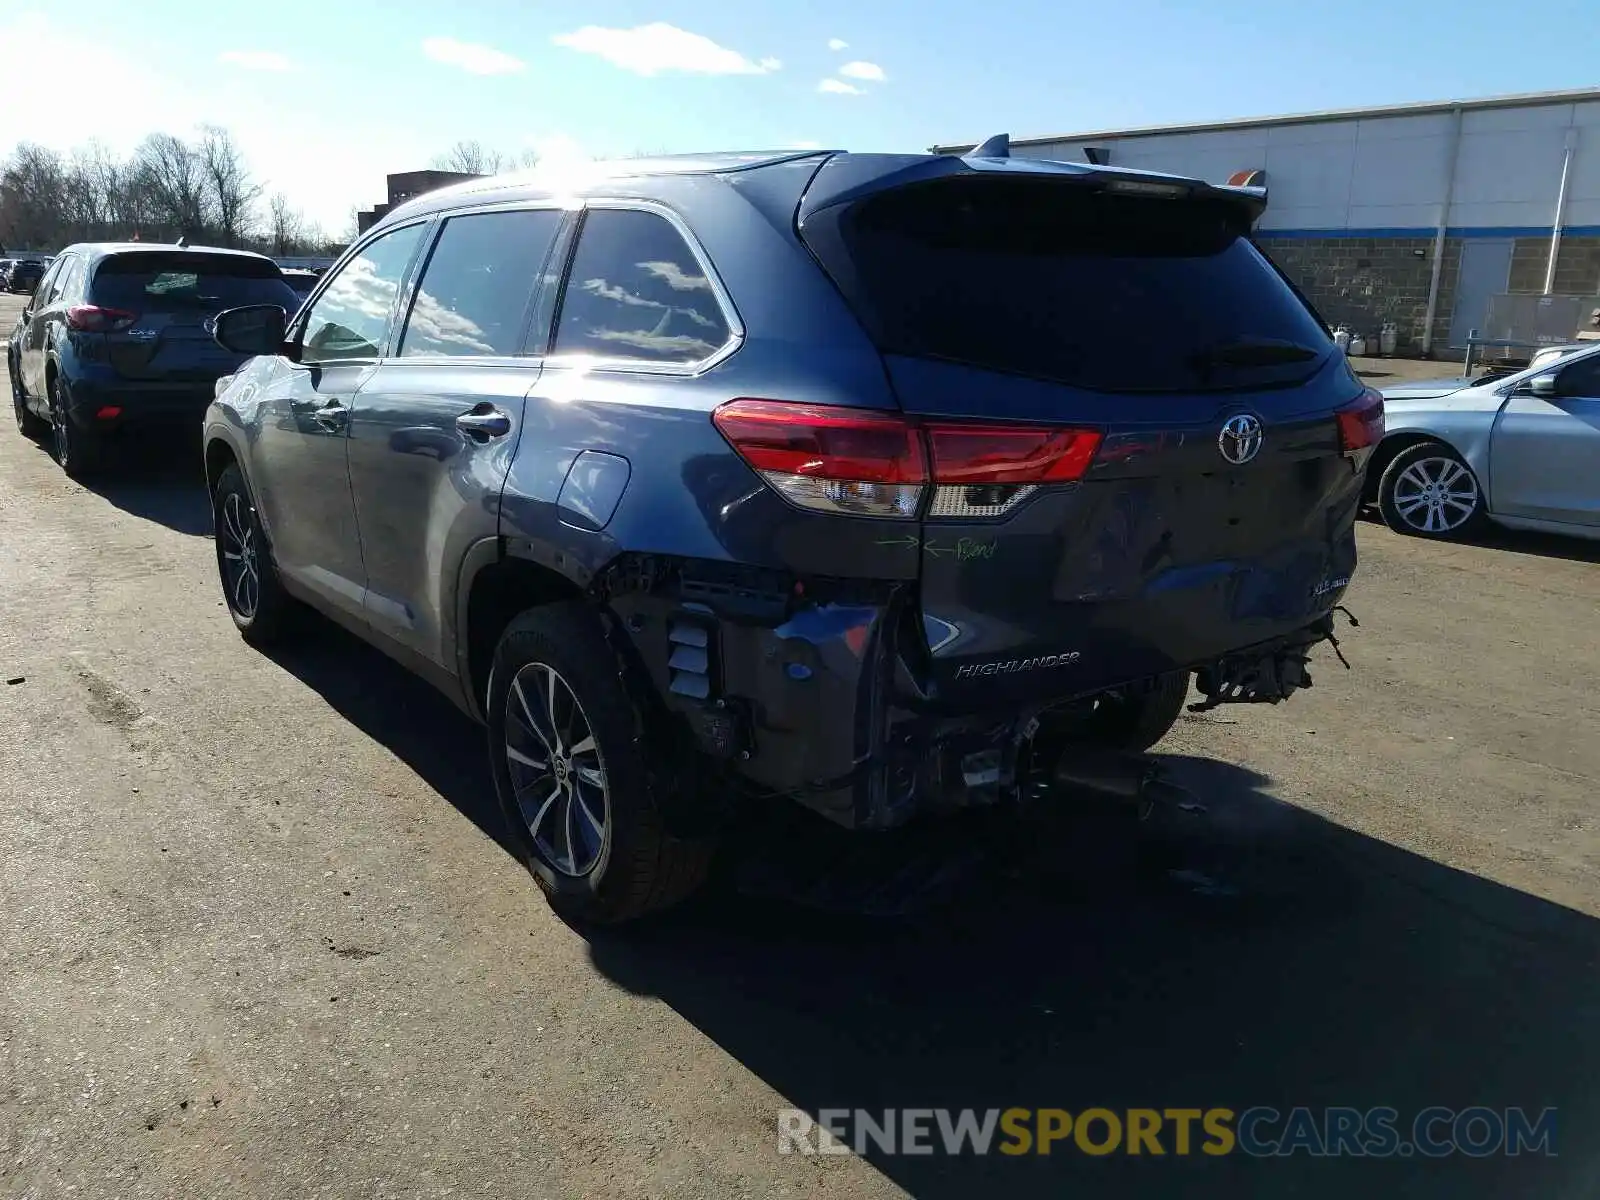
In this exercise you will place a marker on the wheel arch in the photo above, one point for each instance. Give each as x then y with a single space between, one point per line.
219 456
496 586
1388 450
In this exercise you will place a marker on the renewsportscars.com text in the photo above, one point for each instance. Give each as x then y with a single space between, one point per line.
1260 1132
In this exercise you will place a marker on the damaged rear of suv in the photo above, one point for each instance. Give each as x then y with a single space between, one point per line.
879 483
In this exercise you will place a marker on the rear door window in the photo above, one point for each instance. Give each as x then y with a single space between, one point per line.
1065 282
479 282
636 291
188 283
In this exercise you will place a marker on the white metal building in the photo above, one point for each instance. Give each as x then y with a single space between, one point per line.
1464 198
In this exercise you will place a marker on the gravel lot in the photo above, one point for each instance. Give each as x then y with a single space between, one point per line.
259 936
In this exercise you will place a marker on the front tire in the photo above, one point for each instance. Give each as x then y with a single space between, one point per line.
250 587
29 423
1428 491
566 745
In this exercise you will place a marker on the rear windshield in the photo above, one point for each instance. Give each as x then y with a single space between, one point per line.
1060 281
146 282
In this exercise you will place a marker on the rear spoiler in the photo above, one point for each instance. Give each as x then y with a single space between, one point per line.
847 177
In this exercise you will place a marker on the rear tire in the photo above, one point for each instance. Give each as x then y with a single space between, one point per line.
250 587
1134 721
566 745
80 455
29 423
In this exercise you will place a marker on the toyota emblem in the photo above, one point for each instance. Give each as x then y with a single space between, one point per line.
1240 439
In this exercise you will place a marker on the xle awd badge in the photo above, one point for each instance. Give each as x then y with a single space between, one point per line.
1240 439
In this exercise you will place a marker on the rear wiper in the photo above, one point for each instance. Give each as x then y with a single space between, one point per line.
1252 352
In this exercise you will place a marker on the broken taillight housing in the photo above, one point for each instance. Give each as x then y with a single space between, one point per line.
869 463
1361 422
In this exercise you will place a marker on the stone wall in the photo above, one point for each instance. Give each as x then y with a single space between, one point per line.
1364 282
1577 266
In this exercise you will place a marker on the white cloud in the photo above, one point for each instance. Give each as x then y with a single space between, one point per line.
838 87
471 57
863 70
255 60
657 47
837 43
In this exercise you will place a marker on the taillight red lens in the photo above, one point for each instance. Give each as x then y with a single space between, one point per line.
1361 423
822 441
851 460
981 455
95 318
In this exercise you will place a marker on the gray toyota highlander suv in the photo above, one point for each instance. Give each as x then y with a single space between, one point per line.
877 483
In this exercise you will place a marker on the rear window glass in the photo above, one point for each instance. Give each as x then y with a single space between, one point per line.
169 282
1062 282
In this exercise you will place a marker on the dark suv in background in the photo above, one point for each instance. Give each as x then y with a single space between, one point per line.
118 336
24 276
880 483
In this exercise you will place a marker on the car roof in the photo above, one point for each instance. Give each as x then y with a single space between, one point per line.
579 181
99 250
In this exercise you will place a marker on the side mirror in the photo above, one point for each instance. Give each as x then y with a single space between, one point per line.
254 329
1542 385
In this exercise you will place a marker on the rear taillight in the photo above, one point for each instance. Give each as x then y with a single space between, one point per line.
1361 422
985 455
94 318
830 459
869 463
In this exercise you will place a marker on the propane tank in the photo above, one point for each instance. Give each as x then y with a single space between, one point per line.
1389 339
1358 345
1341 338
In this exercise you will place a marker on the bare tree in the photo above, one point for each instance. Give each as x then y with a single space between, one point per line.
286 233
175 182
168 187
231 193
33 185
473 158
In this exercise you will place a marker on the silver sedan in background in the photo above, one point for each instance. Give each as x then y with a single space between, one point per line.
1522 451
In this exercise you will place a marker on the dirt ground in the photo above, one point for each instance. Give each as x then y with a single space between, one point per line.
259 934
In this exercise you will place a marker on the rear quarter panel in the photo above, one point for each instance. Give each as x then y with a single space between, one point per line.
688 494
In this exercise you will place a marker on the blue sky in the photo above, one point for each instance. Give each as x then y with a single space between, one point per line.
325 97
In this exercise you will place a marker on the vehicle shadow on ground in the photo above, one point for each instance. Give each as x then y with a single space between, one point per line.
401 711
1254 954
160 480
1516 541
1261 956
1541 545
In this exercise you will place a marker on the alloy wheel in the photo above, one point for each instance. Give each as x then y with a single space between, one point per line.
557 775
60 434
241 567
1436 495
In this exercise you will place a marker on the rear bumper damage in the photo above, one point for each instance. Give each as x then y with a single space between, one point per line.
821 693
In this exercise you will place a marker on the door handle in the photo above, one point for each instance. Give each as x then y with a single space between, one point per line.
331 415
490 423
